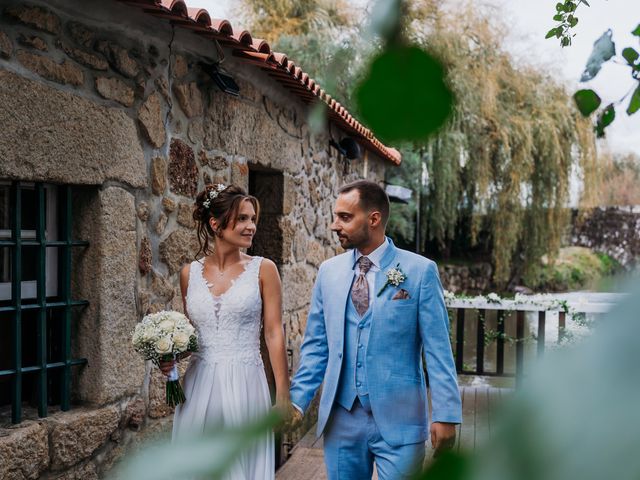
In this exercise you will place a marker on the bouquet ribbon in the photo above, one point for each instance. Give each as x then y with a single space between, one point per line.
174 392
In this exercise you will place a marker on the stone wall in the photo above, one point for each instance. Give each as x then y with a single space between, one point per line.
471 279
95 94
611 230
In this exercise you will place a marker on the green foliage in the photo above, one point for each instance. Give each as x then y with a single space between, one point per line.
565 15
630 55
587 101
448 466
209 455
604 119
608 265
402 216
272 19
634 104
575 268
404 96
500 163
540 431
603 50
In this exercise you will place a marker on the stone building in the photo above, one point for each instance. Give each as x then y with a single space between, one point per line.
113 115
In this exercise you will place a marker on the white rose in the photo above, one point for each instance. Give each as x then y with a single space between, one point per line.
167 325
181 341
164 345
190 330
177 316
149 334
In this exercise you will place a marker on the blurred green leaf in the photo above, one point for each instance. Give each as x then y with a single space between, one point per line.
587 101
447 466
404 96
559 7
551 33
634 104
558 18
630 55
577 415
604 120
209 455
603 50
573 21
636 32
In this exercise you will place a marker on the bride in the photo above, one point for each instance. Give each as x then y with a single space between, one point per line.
227 295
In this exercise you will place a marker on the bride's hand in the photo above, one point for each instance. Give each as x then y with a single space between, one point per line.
166 366
283 407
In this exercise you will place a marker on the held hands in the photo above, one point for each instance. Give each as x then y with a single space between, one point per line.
443 436
291 416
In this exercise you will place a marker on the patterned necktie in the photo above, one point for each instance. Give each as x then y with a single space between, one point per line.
360 288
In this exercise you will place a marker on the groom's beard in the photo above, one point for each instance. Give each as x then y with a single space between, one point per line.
356 240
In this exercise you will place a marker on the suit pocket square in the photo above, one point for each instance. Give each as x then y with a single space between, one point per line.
401 294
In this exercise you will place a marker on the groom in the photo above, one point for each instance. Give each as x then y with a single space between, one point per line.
374 309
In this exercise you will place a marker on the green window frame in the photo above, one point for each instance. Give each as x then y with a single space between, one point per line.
49 306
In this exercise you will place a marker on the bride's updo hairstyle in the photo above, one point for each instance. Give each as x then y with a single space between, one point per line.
223 204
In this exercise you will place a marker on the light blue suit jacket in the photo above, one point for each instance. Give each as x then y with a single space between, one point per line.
400 329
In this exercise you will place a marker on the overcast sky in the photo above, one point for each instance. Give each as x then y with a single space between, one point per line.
530 20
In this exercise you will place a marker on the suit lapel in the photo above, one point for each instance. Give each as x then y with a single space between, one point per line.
342 287
385 264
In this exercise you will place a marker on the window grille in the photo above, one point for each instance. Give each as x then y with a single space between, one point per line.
36 302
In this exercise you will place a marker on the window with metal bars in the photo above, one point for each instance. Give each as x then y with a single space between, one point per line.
36 301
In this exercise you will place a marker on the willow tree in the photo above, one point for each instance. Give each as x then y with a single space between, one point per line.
503 162
274 19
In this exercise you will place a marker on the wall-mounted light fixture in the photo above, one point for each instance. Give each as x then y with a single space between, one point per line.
348 147
398 193
224 81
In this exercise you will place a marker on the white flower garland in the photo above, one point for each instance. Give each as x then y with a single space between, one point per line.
538 302
213 194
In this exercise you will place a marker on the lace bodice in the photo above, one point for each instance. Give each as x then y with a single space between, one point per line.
228 325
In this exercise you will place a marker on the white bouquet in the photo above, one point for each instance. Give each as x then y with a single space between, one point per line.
160 337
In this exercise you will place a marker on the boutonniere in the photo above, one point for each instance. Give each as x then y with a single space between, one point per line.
395 277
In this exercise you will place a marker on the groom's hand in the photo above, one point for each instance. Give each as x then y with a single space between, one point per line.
294 418
297 416
443 436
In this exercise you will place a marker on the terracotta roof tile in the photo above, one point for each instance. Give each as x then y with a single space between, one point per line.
258 52
200 15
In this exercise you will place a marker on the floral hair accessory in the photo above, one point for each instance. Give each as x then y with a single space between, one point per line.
213 193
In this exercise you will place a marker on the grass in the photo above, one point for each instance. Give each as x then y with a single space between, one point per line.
575 268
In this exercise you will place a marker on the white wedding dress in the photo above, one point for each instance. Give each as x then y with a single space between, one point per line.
225 383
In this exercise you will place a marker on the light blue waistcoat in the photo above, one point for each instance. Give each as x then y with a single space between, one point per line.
353 376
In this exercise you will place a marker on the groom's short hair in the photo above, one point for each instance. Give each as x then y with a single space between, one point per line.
372 197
